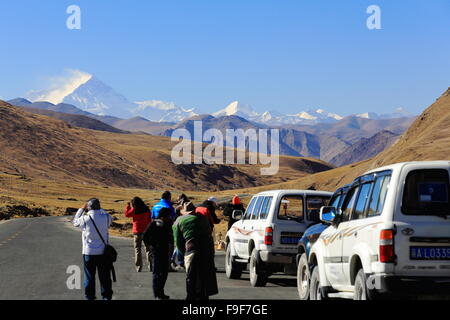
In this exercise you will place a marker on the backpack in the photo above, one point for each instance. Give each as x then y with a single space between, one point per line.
109 253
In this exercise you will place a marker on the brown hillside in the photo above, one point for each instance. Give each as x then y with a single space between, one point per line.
428 138
37 146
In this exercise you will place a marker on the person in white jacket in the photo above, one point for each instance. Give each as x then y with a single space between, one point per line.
93 247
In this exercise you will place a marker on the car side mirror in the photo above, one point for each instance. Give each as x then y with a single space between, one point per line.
328 215
237 214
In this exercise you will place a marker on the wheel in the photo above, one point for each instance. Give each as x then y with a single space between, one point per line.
314 287
362 292
360 286
258 276
233 269
303 278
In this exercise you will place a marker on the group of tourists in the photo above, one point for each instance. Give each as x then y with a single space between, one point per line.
175 235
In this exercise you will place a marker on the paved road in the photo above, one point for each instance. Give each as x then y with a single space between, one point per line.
35 254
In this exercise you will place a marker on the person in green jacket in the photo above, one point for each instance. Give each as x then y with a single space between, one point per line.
192 237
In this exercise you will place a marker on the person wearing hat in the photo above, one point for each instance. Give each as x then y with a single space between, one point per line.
235 204
181 201
185 207
95 222
208 209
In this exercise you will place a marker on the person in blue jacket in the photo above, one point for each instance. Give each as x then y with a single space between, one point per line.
165 202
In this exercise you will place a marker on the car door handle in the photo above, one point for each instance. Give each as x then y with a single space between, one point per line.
355 234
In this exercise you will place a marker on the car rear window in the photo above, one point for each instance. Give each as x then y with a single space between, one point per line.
291 208
427 192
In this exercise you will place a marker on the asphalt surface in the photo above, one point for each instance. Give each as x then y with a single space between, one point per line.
36 253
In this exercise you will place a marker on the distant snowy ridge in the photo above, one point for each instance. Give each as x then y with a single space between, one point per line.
90 94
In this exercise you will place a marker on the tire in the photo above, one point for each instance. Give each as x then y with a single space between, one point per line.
315 292
258 276
233 270
303 278
360 286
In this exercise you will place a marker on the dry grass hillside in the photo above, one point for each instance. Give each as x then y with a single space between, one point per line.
37 146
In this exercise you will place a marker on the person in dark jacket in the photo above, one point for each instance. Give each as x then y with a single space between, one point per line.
140 213
159 237
166 202
192 233
235 204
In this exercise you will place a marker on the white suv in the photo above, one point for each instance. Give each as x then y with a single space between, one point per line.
266 236
391 236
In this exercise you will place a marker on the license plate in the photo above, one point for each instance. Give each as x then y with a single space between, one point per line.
429 253
290 240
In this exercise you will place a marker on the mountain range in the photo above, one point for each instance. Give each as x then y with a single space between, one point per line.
37 146
89 103
90 94
335 142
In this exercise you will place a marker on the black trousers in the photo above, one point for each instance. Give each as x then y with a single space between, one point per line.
201 280
160 270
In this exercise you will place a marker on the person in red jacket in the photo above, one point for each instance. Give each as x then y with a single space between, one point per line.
140 213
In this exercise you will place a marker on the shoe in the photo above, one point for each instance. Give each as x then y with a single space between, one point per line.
163 297
138 269
180 268
172 269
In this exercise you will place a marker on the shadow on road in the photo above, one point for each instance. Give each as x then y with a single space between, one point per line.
283 282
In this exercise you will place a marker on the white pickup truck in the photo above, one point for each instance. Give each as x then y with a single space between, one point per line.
391 236
266 236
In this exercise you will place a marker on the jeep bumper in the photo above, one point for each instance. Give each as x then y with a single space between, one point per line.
274 257
409 285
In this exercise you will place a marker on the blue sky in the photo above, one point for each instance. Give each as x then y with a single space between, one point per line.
283 55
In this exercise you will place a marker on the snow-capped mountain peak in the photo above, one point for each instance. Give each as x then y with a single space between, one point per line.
60 87
306 115
398 113
96 97
327 114
236 109
157 110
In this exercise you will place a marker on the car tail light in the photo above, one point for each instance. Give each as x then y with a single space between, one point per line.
268 236
387 252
